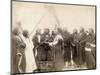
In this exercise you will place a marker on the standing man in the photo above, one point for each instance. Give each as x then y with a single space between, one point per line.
82 44
67 48
37 50
57 45
18 53
44 39
75 46
91 50
36 41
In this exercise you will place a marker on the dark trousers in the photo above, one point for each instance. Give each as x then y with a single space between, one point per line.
67 53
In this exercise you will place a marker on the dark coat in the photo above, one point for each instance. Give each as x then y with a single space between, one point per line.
75 48
58 55
82 45
17 46
35 43
91 55
67 49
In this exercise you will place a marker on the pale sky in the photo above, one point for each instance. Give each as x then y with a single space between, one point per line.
69 16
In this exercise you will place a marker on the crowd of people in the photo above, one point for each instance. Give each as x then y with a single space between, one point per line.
52 49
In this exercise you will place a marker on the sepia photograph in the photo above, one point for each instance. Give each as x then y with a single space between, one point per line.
52 37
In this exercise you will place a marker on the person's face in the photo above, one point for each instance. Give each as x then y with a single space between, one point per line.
26 34
38 31
46 31
16 32
81 30
74 31
55 32
91 31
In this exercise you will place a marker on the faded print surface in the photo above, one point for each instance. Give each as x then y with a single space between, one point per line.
52 37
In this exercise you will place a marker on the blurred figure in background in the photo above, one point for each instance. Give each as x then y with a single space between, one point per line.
82 44
90 50
37 49
57 45
75 46
91 36
36 40
67 47
18 53
45 38
45 35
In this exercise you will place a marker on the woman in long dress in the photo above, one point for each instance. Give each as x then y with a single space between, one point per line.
30 59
